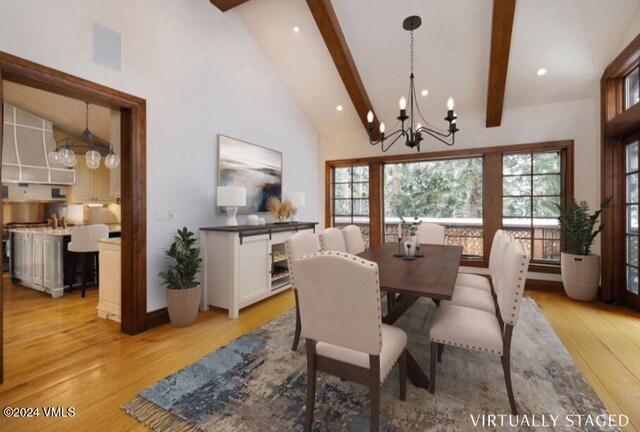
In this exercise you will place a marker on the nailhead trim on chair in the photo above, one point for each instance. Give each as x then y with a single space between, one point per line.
474 348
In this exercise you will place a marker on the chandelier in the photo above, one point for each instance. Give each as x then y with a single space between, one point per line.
63 153
413 132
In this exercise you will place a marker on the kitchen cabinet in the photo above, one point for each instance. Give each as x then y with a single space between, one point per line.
37 262
110 288
92 185
245 264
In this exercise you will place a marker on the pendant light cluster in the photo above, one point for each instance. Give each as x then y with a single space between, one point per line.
63 153
411 130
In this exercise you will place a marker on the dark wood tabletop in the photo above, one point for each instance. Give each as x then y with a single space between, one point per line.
433 275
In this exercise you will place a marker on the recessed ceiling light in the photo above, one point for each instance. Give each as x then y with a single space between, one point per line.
339 108
541 71
424 92
296 29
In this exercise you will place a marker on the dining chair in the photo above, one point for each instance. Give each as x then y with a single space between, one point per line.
331 239
430 233
353 239
84 243
299 244
339 296
478 330
498 246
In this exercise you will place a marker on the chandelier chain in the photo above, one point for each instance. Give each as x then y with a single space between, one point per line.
411 56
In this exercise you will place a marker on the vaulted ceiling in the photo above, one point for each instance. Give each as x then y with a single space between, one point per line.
573 39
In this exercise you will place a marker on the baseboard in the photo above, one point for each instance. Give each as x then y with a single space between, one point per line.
157 318
543 285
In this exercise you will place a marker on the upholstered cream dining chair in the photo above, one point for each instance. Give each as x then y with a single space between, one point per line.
498 246
331 239
353 239
430 233
297 245
482 331
339 299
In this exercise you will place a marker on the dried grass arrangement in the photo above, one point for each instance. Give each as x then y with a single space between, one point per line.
279 210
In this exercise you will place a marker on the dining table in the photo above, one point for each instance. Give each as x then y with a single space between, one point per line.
432 275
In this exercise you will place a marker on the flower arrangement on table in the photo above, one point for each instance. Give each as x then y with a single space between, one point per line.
408 230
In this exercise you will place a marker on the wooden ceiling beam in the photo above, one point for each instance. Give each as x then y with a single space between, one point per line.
501 27
334 39
225 5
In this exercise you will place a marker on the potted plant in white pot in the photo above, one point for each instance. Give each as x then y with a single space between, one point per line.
183 292
580 268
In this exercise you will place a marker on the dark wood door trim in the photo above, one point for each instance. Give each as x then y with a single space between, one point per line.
133 160
501 27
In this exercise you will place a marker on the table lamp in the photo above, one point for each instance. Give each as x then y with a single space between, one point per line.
232 197
297 199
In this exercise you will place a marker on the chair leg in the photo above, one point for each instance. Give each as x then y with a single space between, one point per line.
85 272
506 367
391 302
311 385
440 350
296 337
403 375
432 372
374 385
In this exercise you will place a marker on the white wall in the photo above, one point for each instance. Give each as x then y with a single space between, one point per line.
201 73
576 120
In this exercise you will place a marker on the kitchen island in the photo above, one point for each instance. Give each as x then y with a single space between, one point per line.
39 258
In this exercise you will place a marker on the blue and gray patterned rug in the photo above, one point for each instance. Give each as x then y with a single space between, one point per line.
256 383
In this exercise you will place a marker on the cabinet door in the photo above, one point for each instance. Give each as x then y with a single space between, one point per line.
102 183
84 189
254 265
37 261
23 258
52 262
17 256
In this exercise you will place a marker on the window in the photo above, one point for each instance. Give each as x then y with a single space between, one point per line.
447 191
350 198
532 188
632 88
631 230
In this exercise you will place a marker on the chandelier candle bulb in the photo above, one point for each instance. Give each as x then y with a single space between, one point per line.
369 117
382 128
450 104
403 103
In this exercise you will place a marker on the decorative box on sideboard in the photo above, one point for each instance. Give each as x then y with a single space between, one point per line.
245 264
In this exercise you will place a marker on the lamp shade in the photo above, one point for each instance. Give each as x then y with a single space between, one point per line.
297 199
232 196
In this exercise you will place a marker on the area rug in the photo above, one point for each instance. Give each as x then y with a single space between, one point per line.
256 383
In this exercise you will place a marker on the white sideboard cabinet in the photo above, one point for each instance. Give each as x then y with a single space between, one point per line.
245 264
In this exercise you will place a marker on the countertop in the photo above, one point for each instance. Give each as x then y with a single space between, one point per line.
272 227
112 240
114 228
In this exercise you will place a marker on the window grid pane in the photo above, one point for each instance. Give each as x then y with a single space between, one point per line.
631 216
532 187
350 198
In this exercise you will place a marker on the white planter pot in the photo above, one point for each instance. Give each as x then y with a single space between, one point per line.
580 275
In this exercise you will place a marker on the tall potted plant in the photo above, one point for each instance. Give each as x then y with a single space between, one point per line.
580 268
183 292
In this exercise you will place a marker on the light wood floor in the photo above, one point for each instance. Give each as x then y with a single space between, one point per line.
58 353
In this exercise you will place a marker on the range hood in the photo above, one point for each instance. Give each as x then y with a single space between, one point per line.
26 141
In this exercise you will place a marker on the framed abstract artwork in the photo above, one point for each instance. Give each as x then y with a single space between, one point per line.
258 169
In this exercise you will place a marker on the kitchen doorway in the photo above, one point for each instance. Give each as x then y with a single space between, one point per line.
133 176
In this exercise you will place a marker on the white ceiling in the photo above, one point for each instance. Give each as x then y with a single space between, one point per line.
66 114
573 39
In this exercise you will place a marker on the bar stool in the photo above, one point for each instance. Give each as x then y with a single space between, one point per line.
84 242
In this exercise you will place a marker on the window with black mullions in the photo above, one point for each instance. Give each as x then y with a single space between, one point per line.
532 190
631 225
350 198
632 88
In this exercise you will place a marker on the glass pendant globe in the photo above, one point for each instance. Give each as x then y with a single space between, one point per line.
54 157
93 159
66 156
112 161
72 162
